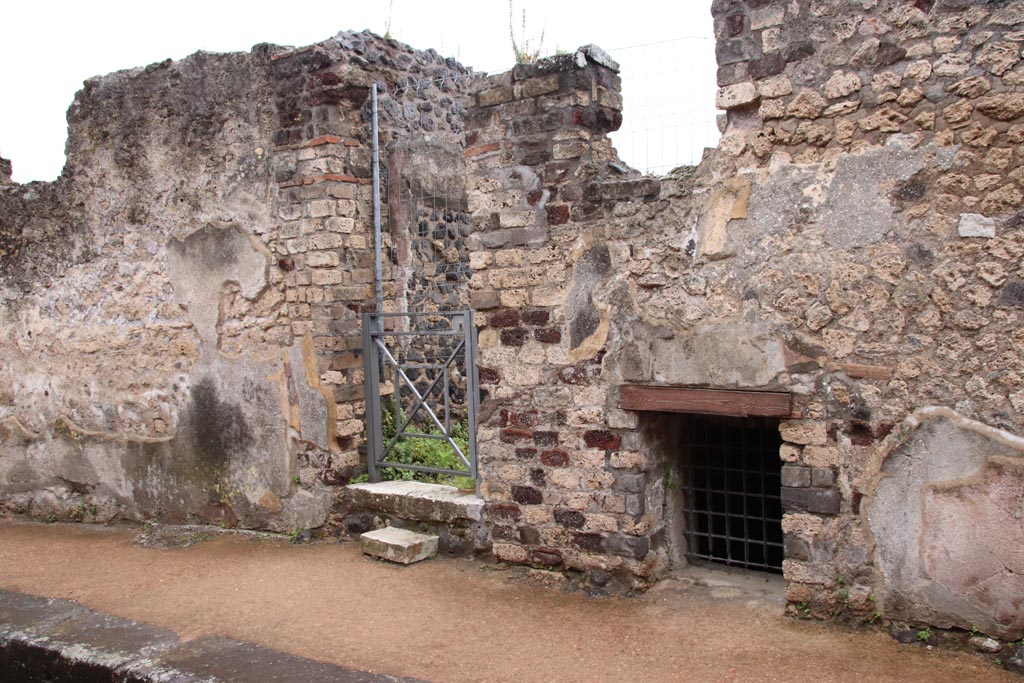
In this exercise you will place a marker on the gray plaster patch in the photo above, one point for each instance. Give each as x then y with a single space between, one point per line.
961 523
230 450
314 414
584 318
719 354
200 265
858 210
775 206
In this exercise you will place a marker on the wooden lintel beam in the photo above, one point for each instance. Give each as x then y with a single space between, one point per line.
739 403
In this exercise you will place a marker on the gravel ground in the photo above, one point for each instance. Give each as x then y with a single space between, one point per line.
448 620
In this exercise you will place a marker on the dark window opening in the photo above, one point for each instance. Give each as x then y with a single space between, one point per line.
732 504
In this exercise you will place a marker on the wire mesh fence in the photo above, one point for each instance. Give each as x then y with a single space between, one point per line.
668 92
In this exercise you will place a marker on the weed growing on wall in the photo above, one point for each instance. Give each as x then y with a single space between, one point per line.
525 52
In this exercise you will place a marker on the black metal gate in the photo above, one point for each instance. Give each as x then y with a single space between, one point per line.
425 365
732 502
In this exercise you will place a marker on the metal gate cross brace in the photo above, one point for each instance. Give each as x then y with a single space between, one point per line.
421 402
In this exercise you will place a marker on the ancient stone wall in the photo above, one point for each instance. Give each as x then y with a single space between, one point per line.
896 268
180 309
854 241
181 334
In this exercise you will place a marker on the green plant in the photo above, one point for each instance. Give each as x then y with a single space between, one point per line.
924 635
524 52
295 535
803 609
666 479
875 617
464 483
429 451
297 480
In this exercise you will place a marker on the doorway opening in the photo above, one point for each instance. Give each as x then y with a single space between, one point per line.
731 491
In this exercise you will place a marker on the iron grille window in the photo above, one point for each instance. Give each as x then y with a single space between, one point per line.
732 502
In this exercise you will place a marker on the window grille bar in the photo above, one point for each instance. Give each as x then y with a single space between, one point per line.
732 501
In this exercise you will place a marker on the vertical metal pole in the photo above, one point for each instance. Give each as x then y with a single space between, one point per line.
372 367
371 379
378 277
473 393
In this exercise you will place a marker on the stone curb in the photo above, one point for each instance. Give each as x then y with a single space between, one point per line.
61 641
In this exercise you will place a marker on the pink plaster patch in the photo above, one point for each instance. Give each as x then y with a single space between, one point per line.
973 541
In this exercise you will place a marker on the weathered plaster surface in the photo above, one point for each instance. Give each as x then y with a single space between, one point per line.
180 308
855 240
944 515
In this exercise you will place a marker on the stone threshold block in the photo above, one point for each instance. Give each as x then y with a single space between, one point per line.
398 545
416 501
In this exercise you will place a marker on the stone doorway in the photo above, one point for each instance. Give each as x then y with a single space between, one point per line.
729 491
720 489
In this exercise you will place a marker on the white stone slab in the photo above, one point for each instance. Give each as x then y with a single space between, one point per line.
416 500
976 225
398 545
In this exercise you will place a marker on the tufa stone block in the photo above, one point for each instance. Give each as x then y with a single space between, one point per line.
493 96
817 501
823 477
484 299
796 476
803 432
796 549
732 51
736 96
767 16
635 547
398 545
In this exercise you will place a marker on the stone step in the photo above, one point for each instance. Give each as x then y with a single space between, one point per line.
398 545
416 501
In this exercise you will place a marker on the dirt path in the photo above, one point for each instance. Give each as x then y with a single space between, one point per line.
450 620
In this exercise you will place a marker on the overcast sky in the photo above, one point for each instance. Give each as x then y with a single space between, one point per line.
48 48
